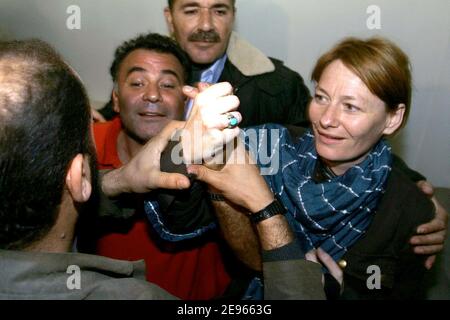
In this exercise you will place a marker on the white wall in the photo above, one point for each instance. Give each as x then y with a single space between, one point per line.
294 31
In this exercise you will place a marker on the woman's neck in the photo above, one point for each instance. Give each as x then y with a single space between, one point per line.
339 168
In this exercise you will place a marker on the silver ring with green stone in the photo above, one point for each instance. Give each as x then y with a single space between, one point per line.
232 121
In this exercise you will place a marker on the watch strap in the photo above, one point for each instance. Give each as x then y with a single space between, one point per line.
273 209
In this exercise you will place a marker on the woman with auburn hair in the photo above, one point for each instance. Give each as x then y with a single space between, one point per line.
336 180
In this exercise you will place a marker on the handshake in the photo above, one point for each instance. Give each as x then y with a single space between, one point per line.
212 124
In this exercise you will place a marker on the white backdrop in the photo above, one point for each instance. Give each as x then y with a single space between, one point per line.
294 31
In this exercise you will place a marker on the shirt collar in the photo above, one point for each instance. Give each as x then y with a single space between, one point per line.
210 75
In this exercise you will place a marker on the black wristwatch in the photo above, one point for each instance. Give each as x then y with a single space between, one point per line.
273 209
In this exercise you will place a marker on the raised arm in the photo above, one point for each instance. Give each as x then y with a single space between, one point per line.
286 274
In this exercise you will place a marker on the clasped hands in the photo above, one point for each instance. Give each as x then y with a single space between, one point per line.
202 135
241 184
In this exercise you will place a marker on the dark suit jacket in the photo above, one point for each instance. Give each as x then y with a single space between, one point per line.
274 97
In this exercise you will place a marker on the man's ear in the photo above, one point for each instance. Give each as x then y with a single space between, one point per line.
78 179
169 20
115 101
395 120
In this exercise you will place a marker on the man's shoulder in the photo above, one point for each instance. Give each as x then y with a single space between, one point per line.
282 77
106 278
250 62
400 183
128 288
280 71
281 68
48 276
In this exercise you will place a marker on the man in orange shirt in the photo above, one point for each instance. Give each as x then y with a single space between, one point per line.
149 73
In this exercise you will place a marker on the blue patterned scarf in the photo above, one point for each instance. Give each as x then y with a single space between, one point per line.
333 214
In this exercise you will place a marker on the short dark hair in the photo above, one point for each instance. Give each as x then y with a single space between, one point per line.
44 123
153 42
171 2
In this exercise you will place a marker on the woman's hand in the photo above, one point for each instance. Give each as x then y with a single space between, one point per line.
320 256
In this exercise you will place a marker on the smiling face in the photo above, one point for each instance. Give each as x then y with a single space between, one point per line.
201 27
149 93
348 120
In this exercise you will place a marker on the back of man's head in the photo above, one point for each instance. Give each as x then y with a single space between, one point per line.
44 124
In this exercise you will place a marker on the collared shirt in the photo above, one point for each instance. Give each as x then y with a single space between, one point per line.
210 75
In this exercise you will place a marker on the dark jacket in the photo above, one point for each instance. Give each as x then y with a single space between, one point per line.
275 97
386 245
269 92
